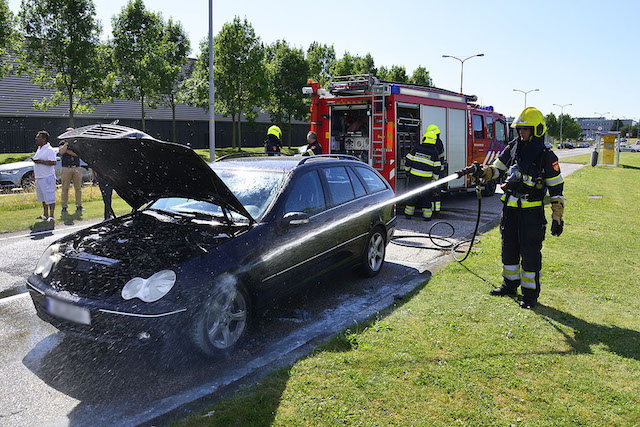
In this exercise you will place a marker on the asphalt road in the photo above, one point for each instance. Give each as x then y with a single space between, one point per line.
48 378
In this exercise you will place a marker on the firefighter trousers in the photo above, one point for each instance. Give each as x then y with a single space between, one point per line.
523 230
422 200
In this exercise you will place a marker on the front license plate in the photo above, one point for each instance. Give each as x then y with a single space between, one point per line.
68 311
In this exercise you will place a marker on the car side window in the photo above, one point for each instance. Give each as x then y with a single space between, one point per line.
357 184
372 181
306 195
339 184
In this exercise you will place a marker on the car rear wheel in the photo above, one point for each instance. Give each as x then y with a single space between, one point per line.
374 252
27 180
223 320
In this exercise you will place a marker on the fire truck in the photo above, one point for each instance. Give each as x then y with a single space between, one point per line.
379 122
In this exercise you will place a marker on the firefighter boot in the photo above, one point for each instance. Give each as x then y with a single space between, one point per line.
508 288
529 298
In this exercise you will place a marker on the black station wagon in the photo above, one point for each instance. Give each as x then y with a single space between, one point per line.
206 245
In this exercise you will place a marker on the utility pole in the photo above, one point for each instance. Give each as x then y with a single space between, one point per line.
561 114
212 113
525 94
462 65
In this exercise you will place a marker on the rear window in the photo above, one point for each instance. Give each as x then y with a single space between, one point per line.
371 180
339 184
357 184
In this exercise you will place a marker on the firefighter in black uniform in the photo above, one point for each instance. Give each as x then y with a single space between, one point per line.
313 147
531 170
423 166
272 143
437 194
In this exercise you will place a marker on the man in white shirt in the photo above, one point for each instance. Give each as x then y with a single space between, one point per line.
44 166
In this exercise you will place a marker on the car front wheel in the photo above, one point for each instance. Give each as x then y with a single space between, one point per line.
374 252
223 320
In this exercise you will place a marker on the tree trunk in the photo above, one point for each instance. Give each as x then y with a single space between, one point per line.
71 108
144 129
173 117
240 130
233 130
289 131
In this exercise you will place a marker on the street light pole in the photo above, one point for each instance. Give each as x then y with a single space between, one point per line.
601 114
212 123
525 94
561 114
462 65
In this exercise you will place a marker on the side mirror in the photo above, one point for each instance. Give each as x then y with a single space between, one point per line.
295 219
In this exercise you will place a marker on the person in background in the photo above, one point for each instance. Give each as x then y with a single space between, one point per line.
44 166
71 172
272 144
107 191
313 148
423 167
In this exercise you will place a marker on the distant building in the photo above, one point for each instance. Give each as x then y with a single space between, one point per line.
591 125
19 121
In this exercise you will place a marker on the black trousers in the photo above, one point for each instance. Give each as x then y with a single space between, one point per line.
107 190
523 231
421 200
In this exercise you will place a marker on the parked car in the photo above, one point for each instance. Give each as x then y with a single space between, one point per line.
206 246
632 148
565 145
583 145
548 145
623 139
20 174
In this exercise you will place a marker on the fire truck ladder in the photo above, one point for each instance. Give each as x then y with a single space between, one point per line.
378 119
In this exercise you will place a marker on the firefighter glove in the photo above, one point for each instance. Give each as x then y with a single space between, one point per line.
557 227
557 210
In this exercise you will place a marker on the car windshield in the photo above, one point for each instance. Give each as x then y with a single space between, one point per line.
253 188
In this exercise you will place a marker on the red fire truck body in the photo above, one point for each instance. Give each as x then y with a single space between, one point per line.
379 122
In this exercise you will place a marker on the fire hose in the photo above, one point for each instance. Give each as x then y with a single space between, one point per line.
450 244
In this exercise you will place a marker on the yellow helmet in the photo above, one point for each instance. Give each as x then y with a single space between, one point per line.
430 135
434 128
275 131
531 117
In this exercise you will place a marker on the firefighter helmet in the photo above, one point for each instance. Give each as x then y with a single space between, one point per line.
430 135
275 131
533 118
434 128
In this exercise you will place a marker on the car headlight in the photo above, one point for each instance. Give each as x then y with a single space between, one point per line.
151 289
48 259
10 172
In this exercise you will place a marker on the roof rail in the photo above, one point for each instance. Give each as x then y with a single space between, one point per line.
352 83
328 156
248 154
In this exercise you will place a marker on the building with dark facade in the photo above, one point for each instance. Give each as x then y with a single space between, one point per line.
591 125
19 121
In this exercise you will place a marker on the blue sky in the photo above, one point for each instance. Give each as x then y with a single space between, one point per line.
584 53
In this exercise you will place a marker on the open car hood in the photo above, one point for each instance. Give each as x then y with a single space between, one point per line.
141 168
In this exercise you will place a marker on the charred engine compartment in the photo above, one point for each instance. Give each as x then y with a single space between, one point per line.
100 260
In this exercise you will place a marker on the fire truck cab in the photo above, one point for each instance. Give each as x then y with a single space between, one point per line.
379 122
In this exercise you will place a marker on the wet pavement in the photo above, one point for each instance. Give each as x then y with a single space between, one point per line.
48 378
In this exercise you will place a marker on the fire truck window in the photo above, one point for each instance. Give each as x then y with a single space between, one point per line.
490 128
339 185
371 180
357 184
306 195
500 131
478 127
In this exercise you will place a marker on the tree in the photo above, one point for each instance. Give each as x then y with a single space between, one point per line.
421 76
286 72
61 51
320 59
353 64
176 42
617 125
239 73
396 73
553 125
139 53
7 36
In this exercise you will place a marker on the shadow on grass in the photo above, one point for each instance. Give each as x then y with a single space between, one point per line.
69 219
621 341
630 167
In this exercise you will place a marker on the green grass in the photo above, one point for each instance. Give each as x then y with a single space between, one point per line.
450 354
14 157
19 210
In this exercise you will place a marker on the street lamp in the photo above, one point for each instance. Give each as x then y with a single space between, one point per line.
525 94
462 65
561 114
601 114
